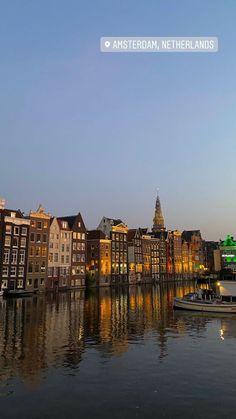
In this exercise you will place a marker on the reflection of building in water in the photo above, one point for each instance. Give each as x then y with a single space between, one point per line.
41 331
54 330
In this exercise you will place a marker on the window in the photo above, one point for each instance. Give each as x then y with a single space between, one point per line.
13 271
36 269
39 225
74 235
64 224
44 252
8 229
79 224
32 251
50 257
74 246
56 257
43 267
32 237
21 271
13 215
15 241
14 256
5 271
62 247
83 236
23 242
44 238
38 238
33 224
62 259
78 236
29 282
67 247
24 231
38 251
22 257
6 256
4 284
7 241
41 281
30 268
45 224
67 259
20 283
16 231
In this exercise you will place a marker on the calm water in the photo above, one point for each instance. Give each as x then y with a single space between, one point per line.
115 354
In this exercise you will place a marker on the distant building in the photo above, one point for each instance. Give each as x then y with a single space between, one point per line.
194 238
158 220
208 254
225 256
98 261
14 235
187 264
76 225
139 255
59 258
155 258
38 250
116 230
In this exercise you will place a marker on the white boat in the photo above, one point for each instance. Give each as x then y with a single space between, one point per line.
191 302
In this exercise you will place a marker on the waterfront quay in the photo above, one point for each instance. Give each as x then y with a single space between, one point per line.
40 252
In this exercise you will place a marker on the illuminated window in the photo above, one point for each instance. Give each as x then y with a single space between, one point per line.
8 229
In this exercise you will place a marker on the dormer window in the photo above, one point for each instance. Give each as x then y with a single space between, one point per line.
13 215
64 224
79 224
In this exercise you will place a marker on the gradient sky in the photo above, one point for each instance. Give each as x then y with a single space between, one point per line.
99 133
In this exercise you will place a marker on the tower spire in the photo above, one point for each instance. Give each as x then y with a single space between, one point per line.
158 220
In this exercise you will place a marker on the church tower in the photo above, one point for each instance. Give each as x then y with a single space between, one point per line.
158 220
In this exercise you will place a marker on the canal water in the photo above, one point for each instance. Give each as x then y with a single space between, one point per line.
115 353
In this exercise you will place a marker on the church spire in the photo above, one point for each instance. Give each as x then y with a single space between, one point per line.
158 220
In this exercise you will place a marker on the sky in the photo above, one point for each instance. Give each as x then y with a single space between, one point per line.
98 133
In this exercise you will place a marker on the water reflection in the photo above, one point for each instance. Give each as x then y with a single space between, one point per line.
56 330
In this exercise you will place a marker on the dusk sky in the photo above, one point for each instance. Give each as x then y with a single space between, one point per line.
98 133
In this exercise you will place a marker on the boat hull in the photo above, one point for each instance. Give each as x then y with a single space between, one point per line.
181 304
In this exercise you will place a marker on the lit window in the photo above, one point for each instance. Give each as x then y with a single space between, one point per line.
5 271
7 241
13 271
24 231
21 271
8 229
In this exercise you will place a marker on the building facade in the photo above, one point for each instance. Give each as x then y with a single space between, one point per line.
98 261
194 238
14 236
38 250
116 231
77 227
59 258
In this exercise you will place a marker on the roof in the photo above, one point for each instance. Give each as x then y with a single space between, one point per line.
187 234
95 235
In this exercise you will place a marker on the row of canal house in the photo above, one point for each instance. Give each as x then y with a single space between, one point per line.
40 252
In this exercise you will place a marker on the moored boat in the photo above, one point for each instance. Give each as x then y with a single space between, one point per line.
192 302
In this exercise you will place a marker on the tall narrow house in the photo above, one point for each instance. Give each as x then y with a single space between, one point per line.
59 259
38 250
14 234
77 227
116 231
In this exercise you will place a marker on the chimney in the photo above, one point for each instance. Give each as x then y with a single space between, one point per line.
2 203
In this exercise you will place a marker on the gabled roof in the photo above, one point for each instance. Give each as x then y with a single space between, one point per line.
95 235
187 234
72 219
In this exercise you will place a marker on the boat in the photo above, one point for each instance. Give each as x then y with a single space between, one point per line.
194 302
18 293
